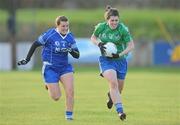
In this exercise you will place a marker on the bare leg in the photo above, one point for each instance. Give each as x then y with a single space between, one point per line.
111 76
68 84
54 91
120 85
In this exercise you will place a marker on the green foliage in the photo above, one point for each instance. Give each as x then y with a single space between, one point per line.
142 23
150 97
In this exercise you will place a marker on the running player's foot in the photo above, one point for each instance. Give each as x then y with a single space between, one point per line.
46 87
69 119
122 116
109 101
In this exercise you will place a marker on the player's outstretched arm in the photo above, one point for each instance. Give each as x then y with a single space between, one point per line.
30 53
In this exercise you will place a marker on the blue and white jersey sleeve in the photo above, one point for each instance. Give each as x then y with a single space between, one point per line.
73 45
43 38
73 42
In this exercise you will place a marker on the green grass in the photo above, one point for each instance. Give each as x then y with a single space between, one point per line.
150 97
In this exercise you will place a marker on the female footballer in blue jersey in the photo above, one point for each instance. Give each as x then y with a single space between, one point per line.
57 43
113 69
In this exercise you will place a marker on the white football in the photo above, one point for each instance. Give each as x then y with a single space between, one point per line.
110 48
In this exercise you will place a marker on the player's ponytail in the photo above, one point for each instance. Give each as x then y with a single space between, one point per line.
110 12
108 7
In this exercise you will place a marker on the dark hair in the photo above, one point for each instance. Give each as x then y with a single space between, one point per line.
110 12
59 19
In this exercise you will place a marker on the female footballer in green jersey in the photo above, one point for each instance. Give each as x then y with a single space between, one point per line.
113 69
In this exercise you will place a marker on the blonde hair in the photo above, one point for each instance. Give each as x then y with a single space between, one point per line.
59 19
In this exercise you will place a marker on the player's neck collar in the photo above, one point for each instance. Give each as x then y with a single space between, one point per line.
63 36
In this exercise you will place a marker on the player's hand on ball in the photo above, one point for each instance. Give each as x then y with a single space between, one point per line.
102 47
115 55
22 62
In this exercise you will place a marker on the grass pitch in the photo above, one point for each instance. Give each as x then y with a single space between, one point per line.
150 97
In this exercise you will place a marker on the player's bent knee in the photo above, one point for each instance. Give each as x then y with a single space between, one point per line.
55 97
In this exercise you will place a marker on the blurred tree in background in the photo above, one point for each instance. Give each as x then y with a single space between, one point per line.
11 6
32 16
32 20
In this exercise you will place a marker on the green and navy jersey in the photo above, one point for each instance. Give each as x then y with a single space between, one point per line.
119 36
54 45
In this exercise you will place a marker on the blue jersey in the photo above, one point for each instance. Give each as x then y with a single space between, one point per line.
54 45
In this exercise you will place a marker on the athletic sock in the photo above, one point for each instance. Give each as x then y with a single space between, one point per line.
119 107
69 115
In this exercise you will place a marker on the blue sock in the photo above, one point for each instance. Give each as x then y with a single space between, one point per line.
69 115
119 107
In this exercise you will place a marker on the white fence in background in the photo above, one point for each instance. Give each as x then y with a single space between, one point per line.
5 56
144 54
21 52
89 53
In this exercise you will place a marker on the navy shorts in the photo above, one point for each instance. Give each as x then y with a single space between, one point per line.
119 65
52 73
